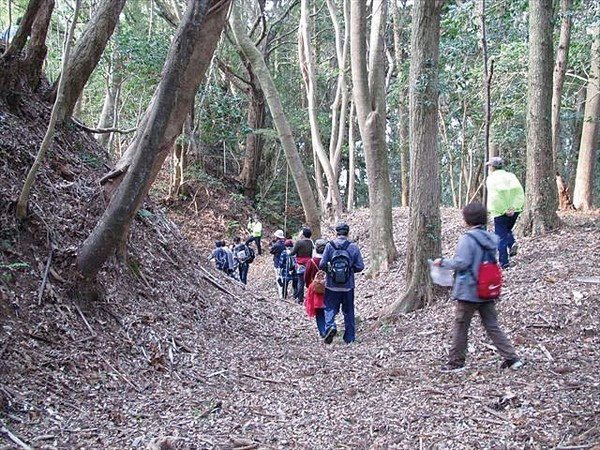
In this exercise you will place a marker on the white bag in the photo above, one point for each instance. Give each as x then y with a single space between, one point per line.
440 275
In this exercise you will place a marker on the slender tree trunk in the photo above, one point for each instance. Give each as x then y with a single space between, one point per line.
351 161
21 209
571 163
560 68
424 232
488 70
541 198
87 53
369 99
307 68
107 116
284 130
188 58
583 195
400 55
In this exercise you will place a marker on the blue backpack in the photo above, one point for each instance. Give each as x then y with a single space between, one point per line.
340 264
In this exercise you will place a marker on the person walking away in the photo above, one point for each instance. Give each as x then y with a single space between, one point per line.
244 256
314 302
469 254
222 257
302 250
505 200
341 260
254 227
277 246
287 267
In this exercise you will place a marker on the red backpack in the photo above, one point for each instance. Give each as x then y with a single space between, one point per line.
489 278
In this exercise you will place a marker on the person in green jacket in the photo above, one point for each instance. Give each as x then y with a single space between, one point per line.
505 200
254 227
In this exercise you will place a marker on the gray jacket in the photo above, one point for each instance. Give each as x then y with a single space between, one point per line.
466 263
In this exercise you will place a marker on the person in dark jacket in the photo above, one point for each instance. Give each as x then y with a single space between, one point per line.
287 270
243 255
340 295
469 254
302 250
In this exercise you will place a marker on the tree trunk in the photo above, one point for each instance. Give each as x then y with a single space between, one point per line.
37 49
107 116
424 233
335 208
541 198
577 123
87 53
189 56
560 68
21 208
584 179
400 55
369 99
488 70
284 130
351 161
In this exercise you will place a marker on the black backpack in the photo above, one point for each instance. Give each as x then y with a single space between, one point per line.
246 255
339 264
221 259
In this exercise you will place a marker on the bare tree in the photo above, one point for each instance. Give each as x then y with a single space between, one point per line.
424 220
541 197
311 211
369 99
189 56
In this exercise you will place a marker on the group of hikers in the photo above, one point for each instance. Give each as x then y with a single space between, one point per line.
321 272
235 259
321 275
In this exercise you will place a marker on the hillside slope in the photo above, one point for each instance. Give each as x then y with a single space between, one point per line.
174 355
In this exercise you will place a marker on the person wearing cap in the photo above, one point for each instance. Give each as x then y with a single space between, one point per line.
302 250
505 200
314 302
340 295
287 270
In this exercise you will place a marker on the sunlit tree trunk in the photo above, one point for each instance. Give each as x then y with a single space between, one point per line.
113 87
351 161
311 211
308 75
541 198
584 179
369 100
188 58
424 228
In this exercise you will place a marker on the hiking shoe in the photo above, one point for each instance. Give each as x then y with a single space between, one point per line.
329 335
512 364
514 250
450 368
505 266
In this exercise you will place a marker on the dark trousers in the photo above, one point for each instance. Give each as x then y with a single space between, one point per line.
255 239
333 301
489 319
320 318
243 268
503 226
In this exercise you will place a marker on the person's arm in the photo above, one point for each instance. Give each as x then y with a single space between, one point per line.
464 255
325 258
359 264
295 248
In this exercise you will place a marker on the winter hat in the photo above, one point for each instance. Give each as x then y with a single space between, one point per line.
495 162
289 243
342 228
319 247
279 234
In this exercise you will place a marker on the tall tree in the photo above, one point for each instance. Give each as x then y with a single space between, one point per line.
334 199
560 68
369 99
584 178
541 197
188 58
87 53
311 210
424 220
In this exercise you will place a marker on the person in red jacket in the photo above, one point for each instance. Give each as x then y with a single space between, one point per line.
313 302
